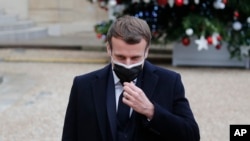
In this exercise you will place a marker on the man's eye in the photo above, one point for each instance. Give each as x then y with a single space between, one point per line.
121 57
135 58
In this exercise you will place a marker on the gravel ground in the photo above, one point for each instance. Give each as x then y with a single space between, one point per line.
34 96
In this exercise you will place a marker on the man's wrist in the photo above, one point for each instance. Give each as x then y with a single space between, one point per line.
150 113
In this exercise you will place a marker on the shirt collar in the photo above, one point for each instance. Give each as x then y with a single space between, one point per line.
116 79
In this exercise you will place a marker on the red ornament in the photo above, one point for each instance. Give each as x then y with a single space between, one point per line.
185 41
155 34
179 2
219 38
218 47
119 1
192 7
162 2
99 35
209 40
236 14
224 1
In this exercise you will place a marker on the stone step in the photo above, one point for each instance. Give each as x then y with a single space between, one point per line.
159 55
24 34
6 19
16 25
160 58
160 49
14 29
85 42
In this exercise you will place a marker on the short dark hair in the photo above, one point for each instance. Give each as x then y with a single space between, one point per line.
130 29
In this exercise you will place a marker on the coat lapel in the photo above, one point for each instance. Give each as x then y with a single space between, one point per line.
98 88
111 105
101 100
149 80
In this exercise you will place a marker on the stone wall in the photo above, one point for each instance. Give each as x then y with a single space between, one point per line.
60 16
15 7
66 16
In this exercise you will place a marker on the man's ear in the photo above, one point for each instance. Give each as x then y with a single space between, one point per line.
108 49
146 52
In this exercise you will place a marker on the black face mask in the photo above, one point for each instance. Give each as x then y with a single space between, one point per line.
127 73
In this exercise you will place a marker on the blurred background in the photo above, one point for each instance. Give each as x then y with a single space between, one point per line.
44 44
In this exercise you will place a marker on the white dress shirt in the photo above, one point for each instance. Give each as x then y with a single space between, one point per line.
118 90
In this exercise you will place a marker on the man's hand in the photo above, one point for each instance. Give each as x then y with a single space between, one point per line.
134 97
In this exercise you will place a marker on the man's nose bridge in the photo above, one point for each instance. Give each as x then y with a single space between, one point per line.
128 61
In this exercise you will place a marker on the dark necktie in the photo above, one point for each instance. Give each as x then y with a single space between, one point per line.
122 113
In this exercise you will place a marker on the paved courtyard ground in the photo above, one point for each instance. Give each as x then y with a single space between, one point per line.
34 96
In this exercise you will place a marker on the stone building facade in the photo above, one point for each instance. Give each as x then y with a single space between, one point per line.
60 16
